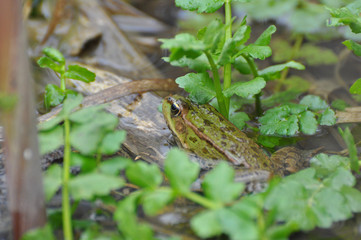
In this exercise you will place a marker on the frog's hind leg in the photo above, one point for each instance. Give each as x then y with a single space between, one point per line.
290 159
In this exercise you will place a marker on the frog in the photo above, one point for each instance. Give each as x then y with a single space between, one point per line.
204 132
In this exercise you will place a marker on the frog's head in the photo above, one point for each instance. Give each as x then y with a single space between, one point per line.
175 109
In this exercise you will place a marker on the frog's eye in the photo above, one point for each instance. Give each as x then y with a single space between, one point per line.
175 109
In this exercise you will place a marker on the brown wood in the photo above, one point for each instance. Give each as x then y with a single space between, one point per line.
22 162
350 115
118 91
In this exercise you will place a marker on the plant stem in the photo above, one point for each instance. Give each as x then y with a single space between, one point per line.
254 71
67 228
62 83
228 35
295 50
201 200
217 86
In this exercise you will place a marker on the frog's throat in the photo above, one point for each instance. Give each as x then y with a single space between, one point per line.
235 161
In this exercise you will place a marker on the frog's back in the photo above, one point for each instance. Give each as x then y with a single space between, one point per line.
231 142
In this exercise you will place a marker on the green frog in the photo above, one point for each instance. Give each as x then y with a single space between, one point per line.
202 130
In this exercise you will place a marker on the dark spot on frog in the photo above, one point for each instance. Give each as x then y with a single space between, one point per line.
223 129
194 112
223 143
224 136
193 139
231 129
207 122
205 150
232 151
201 129
255 149
180 127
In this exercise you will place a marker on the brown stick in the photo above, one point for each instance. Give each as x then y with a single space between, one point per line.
22 161
121 90
350 115
58 13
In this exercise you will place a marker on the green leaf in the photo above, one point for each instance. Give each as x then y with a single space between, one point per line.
54 54
308 123
126 218
340 104
53 96
296 108
328 117
315 103
282 231
95 232
242 35
349 140
144 175
268 9
227 52
46 62
219 184
52 181
51 140
333 203
241 65
318 200
237 226
71 93
114 165
199 64
246 89
239 119
255 51
339 178
279 121
213 36
265 37
44 126
70 103
344 16
308 19
207 6
112 142
353 198
315 55
268 141
356 87
273 72
87 186
325 165
86 164
44 232
156 200
79 73
183 44
85 115
199 85
206 224
180 171
87 137
353 46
